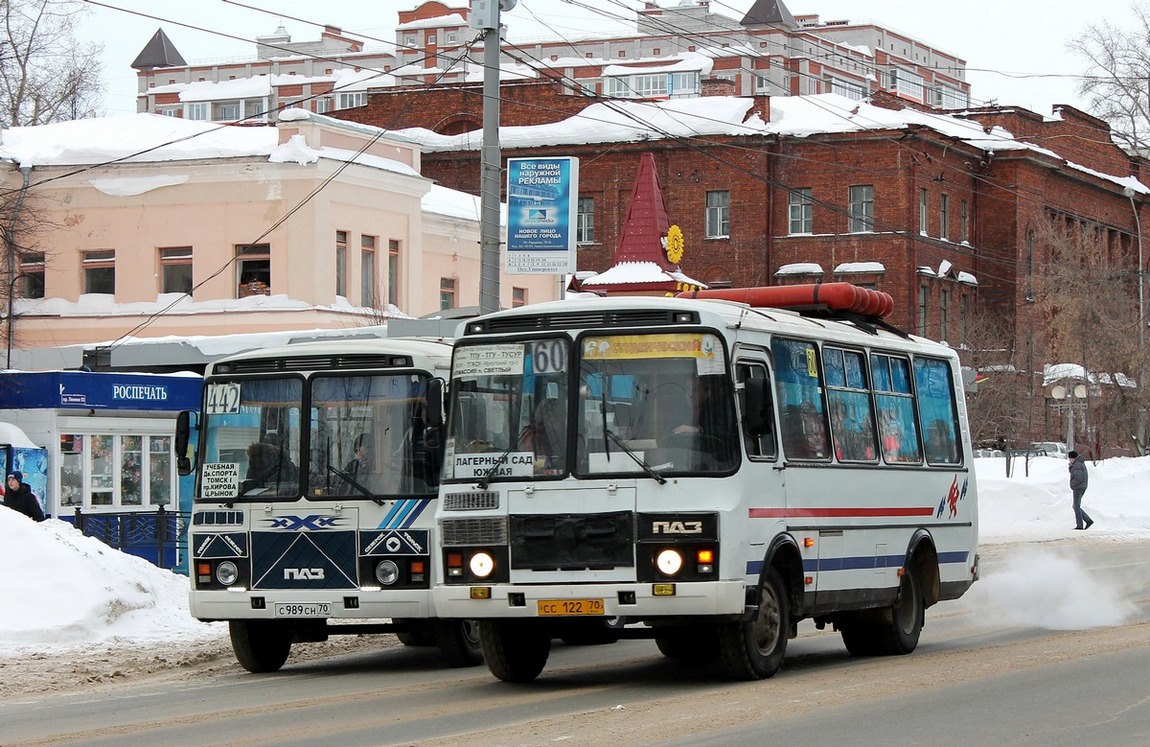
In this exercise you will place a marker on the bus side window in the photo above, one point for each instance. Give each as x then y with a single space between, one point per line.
755 392
802 413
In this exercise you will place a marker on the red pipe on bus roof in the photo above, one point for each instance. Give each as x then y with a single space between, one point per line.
834 296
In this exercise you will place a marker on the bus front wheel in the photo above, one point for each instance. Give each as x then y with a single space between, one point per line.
458 642
754 650
260 645
515 652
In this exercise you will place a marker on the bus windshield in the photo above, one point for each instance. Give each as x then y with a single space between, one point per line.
361 436
641 404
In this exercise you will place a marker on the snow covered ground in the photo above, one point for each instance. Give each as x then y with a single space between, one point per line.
64 593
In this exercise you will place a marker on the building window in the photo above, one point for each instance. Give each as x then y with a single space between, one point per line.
227 111
367 272
861 208
923 299
100 271
447 293
906 83
518 297
176 269
944 315
200 110
107 471
254 270
963 223
431 38
923 202
654 85
351 100
32 268
323 105
393 267
718 218
944 216
341 263
801 210
585 221
850 90
964 316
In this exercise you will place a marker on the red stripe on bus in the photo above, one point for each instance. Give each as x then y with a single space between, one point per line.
783 513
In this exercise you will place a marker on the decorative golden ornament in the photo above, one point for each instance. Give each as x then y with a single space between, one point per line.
674 244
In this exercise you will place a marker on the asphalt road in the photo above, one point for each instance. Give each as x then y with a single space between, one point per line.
999 666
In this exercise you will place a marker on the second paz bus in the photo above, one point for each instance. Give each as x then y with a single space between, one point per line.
705 472
313 504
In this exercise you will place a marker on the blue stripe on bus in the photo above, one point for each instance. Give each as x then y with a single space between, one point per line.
386 519
408 504
419 506
755 567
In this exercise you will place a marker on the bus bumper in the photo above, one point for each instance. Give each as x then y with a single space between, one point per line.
350 604
643 600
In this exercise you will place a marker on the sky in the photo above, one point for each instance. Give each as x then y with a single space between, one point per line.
1015 50
118 598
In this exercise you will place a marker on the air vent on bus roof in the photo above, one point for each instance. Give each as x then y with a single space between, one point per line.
580 320
314 363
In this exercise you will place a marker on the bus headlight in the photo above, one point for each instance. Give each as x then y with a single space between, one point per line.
227 573
387 572
481 565
669 562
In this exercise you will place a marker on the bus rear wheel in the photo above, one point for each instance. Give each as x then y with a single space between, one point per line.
260 645
515 652
754 650
458 642
892 631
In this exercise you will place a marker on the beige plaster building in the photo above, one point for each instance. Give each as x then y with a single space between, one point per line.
149 226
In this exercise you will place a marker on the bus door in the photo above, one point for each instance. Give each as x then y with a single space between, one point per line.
762 473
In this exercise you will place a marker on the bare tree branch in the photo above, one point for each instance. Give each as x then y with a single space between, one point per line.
46 74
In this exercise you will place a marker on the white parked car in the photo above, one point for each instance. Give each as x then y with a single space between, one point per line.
1051 448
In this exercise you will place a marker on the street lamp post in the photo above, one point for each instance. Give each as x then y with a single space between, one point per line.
1066 396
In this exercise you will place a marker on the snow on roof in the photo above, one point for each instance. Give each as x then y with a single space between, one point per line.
683 62
13 435
628 273
451 19
847 268
800 268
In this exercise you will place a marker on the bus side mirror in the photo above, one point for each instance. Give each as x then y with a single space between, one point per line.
755 418
185 422
433 433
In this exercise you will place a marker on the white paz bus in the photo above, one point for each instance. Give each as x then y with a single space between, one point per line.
706 472
314 501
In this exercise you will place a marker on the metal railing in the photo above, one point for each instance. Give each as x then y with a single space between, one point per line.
155 536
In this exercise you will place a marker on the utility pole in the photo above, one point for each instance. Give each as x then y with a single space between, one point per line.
485 17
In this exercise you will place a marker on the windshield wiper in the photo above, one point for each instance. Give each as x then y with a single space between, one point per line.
486 479
639 461
350 480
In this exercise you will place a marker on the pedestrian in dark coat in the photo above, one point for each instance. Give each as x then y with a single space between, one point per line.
18 497
1078 480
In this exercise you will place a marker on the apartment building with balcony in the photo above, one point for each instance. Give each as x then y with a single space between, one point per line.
674 49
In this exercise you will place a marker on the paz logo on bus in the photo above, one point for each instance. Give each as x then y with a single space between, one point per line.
676 527
303 574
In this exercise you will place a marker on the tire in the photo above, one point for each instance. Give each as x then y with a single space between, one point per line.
260 645
693 643
515 652
900 635
416 638
754 650
458 642
860 638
